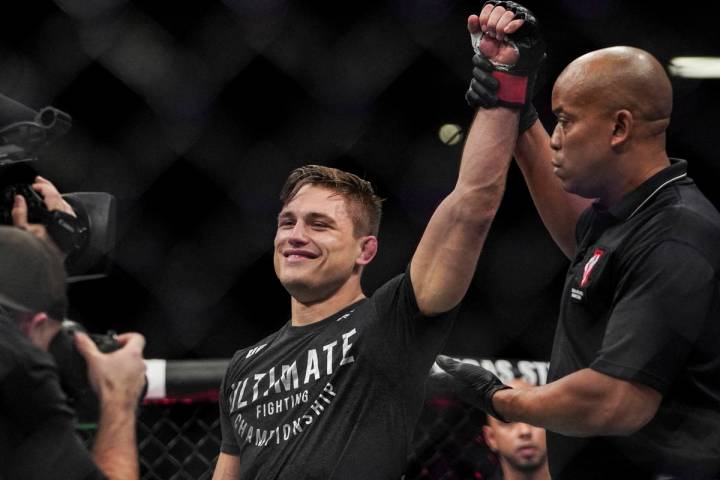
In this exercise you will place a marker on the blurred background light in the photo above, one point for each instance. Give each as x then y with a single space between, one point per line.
695 67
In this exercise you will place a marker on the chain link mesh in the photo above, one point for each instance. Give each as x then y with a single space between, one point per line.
179 438
178 441
181 441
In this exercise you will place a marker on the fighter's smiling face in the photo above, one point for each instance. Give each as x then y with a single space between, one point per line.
316 250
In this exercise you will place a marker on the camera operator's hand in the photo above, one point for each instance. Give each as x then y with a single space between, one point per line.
20 220
117 377
51 197
53 201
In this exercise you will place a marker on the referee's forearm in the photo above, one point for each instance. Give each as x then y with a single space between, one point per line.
585 403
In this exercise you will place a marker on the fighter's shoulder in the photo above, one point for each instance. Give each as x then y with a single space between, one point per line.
242 356
392 286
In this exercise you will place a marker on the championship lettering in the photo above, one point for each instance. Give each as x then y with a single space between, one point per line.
310 367
262 437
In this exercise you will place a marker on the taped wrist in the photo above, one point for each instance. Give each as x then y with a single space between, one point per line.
512 89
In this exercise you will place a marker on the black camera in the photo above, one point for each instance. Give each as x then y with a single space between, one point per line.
37 212
73 368
24 132
87 238
69 232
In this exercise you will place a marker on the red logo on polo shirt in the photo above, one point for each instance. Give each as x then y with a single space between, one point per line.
599 252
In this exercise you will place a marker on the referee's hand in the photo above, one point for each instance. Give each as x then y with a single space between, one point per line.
471 383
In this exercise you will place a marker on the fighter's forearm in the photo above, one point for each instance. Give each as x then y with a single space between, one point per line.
490 142
445 260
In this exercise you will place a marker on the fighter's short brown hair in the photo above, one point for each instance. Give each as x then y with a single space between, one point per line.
364 206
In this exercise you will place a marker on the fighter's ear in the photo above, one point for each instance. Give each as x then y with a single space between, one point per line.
622 128
368 250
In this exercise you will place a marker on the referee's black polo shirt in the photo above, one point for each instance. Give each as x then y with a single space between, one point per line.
641 303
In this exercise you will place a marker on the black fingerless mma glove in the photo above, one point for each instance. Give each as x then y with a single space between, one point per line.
517 82
482 92
510 86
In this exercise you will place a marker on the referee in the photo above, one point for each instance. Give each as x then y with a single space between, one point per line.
634 387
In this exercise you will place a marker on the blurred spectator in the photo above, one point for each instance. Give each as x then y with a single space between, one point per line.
519 447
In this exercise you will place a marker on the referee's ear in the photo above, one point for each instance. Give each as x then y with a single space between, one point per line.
622 129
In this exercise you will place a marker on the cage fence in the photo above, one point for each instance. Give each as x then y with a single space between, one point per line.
179 432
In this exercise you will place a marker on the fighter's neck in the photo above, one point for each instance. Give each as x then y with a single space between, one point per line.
307 313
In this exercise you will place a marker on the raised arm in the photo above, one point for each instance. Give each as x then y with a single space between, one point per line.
558 209
445 260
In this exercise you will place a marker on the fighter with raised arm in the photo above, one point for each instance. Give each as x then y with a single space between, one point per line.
337 391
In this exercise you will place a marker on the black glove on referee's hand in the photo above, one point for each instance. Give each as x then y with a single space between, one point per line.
471 383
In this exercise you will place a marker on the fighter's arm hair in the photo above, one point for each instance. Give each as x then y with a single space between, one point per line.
584 403
444 262
227 468
558 209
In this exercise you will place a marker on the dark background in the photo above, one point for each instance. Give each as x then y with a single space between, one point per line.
192 114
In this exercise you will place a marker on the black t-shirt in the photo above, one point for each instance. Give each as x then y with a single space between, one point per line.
37 432
641 303
335 399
